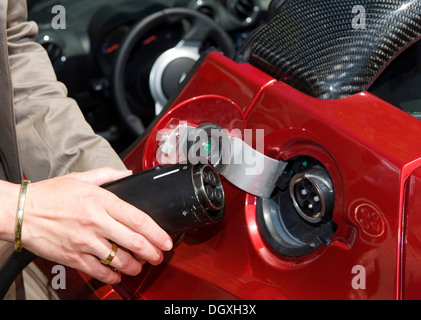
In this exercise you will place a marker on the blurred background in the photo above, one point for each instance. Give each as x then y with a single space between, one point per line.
120 93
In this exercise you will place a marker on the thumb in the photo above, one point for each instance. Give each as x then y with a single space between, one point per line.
102 175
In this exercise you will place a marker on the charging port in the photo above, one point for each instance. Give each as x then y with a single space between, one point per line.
312 194
297 218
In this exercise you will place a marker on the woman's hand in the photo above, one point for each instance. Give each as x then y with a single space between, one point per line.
71 220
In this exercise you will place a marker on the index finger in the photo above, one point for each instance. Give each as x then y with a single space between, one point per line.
139 222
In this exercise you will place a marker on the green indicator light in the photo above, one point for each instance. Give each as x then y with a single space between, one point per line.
206 147
305 163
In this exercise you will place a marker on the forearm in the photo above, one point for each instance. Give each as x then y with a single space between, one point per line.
53 136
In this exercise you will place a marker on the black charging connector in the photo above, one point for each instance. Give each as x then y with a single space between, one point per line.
178 197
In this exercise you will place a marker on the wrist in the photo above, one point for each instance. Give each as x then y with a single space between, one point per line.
9 197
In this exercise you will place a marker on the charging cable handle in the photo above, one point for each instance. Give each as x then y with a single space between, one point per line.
178 197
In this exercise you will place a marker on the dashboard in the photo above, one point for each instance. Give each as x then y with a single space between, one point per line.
84 51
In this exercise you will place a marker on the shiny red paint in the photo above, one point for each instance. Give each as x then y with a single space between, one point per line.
372 152
369 156
201 109
411 223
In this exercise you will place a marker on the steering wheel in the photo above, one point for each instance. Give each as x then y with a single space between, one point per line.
171 66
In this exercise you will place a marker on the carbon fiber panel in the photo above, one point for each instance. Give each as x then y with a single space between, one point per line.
326 49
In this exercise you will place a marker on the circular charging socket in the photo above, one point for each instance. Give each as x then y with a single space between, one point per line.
297 218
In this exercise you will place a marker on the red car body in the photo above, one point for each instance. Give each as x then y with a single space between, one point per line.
372 153
376 174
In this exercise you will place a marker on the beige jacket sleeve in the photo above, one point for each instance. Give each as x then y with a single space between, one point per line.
53 136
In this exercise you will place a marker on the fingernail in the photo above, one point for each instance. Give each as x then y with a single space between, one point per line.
167 245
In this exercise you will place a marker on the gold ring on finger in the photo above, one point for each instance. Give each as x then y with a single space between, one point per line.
112 254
